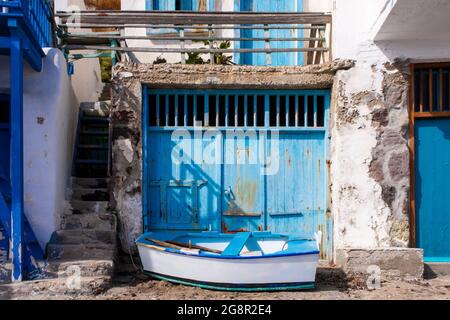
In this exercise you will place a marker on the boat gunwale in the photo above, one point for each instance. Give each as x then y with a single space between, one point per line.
147 244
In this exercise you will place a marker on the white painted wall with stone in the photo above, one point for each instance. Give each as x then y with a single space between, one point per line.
87 79
364 217
50 119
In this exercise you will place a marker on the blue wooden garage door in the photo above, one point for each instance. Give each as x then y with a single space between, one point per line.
235 160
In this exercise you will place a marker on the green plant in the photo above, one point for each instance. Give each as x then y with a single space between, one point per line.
159 60
194 58
106 68
219 58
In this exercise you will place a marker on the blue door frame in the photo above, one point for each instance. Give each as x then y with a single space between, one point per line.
233 197
430 159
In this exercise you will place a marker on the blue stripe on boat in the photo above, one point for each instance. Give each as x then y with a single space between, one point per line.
303 247
235 287
217 256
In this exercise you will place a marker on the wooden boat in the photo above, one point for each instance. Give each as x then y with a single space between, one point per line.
246 261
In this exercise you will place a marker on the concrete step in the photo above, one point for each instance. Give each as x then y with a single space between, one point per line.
82 207
94 183
55 287
83 236
5 271
95 109
84 268
101 222
436 269
99 251
89 194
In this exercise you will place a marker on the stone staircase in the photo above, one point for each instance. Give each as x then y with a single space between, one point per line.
105 95
85 245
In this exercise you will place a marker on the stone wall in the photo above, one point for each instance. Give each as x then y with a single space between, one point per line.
127 109
387 262
370 156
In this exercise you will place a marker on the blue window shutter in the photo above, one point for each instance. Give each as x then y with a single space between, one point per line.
170 5
212 5
260 58
185 5
163 5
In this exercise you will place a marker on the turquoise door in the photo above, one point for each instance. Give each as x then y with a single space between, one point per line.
236 160
432 188
276 59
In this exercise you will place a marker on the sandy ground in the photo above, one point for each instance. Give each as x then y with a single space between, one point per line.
330 284
144 288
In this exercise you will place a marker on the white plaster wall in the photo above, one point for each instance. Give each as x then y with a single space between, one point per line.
317 5
87 79
50 119
361 217
360 214
356 25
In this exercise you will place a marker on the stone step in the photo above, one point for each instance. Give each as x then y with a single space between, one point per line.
90 194
5 271
95 109
84 268
96 207
436 269
94 183
101 222
55 287
83 236
80 251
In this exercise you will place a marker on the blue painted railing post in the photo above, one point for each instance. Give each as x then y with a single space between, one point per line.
16 78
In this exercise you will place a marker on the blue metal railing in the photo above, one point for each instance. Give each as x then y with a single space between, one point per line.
38 15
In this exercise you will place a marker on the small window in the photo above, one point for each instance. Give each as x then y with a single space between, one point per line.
431 90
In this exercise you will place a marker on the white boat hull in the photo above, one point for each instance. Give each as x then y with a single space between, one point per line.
281 272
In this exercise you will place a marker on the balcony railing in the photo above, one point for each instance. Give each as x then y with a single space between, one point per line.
38 15
250 38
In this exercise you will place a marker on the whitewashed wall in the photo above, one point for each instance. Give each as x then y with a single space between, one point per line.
50 118
87 79
374 34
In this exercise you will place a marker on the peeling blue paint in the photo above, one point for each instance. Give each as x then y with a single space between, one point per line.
237 194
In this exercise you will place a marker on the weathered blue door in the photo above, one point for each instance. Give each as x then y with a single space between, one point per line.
432 188
275 59
236 160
